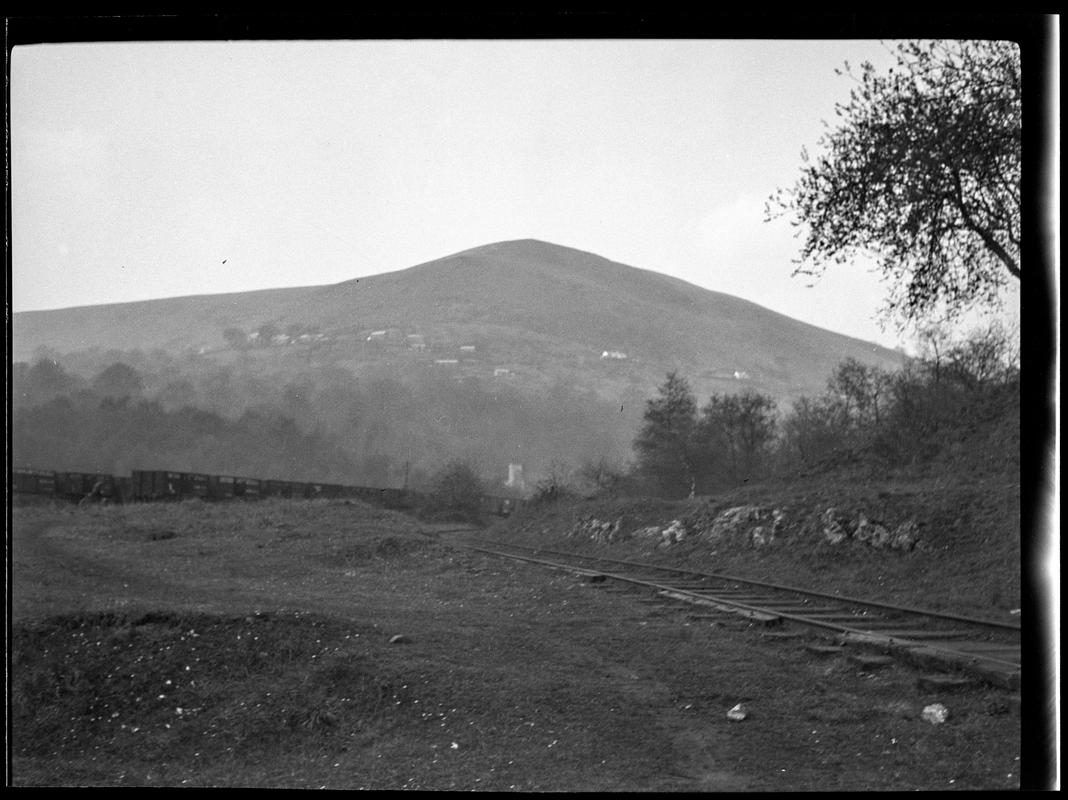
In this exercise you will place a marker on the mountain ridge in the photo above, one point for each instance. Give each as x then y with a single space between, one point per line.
523 300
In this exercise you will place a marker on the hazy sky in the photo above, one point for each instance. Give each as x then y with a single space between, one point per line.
138 169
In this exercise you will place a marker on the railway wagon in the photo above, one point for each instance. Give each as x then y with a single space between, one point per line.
348 492
76 486
248 488
326 491
274 488
155 484
221 487
194 484
33 481
228 487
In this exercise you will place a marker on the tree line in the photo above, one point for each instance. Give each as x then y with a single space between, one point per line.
103 411
953 390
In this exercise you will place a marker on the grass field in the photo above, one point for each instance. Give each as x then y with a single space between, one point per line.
256 646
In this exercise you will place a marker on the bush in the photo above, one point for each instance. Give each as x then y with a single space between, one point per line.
556 485
456 493
603 478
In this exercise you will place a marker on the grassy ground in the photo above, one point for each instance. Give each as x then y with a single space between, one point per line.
254 645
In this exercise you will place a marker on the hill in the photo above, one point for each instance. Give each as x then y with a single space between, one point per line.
535 312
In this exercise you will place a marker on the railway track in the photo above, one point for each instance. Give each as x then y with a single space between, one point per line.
870 630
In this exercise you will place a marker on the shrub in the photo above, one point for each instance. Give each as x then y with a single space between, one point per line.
556 485
456 492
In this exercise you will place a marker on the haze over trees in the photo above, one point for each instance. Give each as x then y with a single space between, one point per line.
114 411
922 173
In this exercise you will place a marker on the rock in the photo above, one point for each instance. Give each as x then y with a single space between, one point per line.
874 533
936 713
760 537
738 713
748 525
905 536
602 531
834 526
673 533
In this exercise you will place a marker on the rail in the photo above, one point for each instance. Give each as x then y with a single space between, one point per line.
986 648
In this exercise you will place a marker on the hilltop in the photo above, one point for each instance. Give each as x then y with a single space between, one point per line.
530 310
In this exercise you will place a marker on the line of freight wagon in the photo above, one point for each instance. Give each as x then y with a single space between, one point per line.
164 485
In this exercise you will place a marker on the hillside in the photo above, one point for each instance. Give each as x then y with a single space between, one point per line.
543 312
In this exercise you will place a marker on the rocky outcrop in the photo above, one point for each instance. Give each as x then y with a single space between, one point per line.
837 528
754 526
601 531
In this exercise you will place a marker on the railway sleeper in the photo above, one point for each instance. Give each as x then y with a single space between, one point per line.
780 608
927 656
992 649
925 635
877 624
761 617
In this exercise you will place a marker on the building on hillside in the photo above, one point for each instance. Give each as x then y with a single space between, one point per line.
392 336
501 372
467 348
740 375
615 355
279 339
415 341
515 478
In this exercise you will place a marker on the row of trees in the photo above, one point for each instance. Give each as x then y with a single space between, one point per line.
951 391
118 435
680 447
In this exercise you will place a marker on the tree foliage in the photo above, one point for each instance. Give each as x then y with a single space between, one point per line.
736 431
119 380
680 451
923 174
862 390
457 490
666 447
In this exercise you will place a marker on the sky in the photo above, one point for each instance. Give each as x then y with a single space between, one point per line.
162 169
